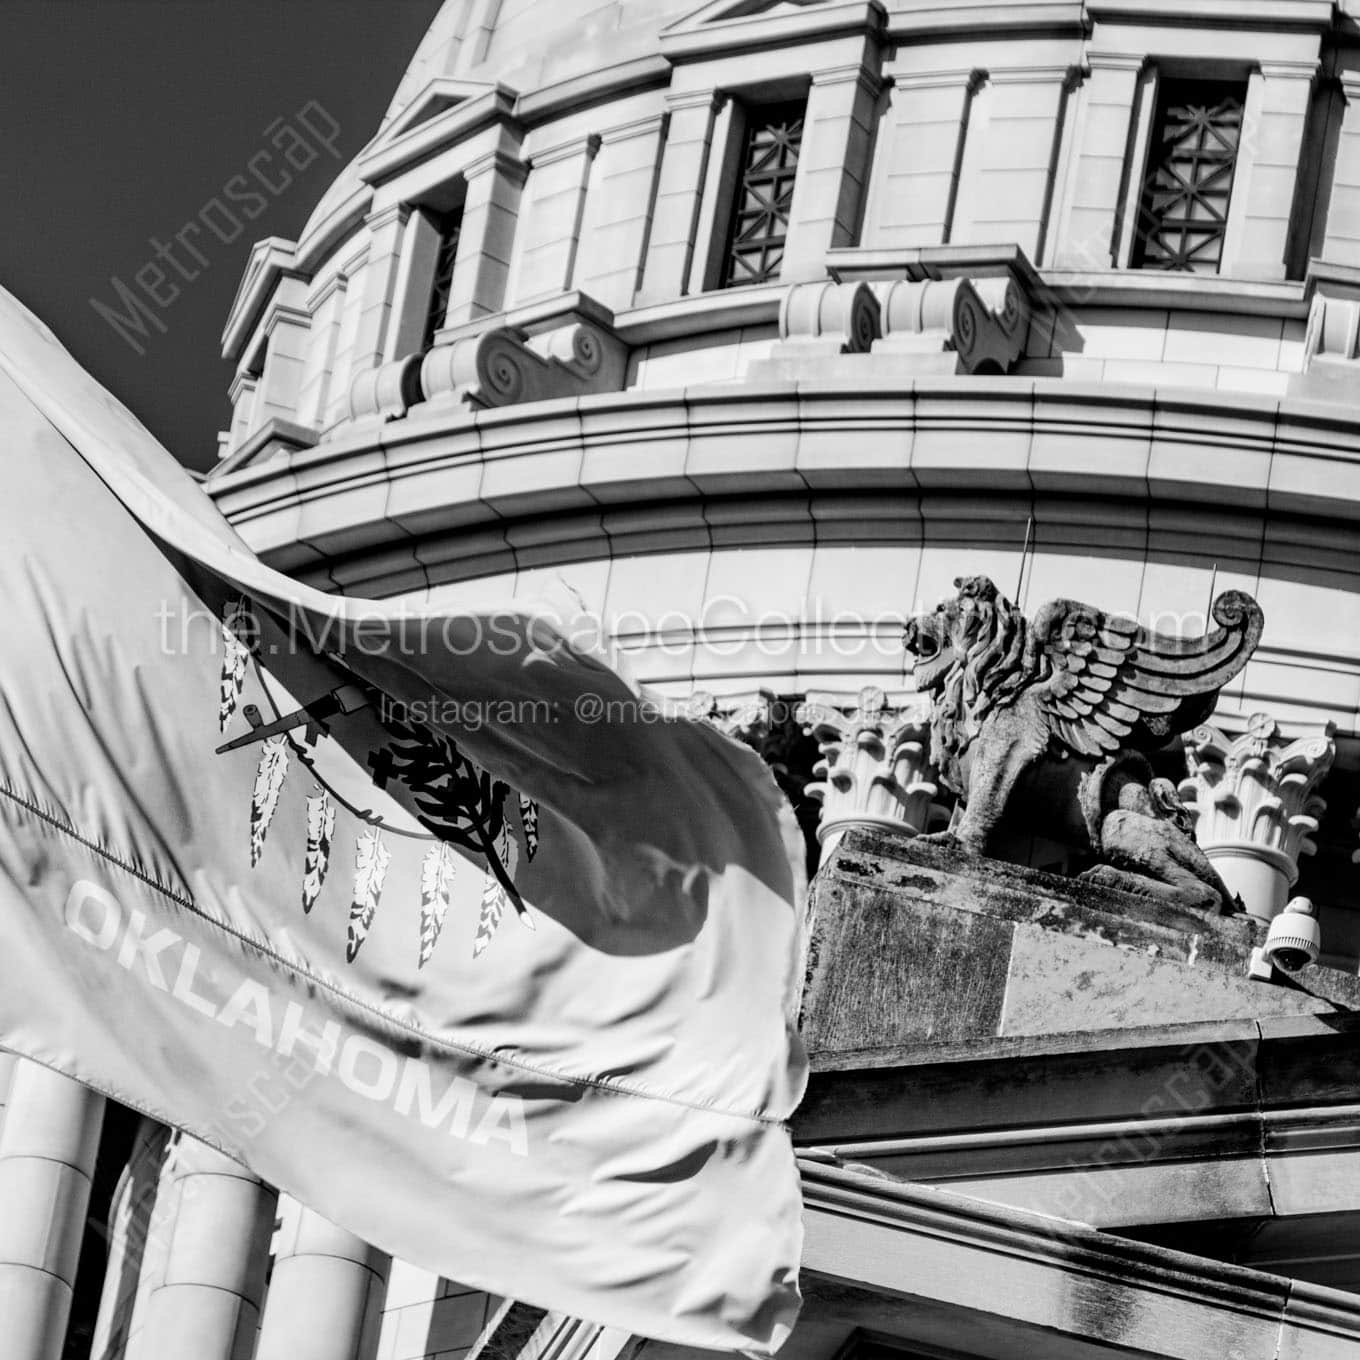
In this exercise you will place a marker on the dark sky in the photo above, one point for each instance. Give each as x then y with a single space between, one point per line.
121 119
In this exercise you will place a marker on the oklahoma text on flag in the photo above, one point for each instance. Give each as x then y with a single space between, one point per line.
505 996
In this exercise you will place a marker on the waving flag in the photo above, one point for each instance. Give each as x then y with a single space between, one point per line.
456 937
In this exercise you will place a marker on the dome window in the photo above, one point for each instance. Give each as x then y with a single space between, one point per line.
763 199
1183 213
450 227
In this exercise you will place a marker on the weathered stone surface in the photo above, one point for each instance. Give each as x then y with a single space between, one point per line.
917 942
1107 1075
952 975
1059 983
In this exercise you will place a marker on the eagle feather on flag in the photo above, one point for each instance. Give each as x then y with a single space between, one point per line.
590 1116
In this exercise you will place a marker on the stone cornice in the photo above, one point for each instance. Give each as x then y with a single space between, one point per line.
707 34
332 232
271 260
1312 449
626 77
389 155
893 1236
969 18
1264 14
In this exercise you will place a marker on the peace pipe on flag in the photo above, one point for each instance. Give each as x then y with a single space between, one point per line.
275 947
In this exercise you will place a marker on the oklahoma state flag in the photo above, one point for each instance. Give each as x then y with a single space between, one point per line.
455 939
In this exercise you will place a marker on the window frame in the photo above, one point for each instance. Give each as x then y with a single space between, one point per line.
1155 109
737 186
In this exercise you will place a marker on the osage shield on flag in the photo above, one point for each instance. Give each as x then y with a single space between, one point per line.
497 985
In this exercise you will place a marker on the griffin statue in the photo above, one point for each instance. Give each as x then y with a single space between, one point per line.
1045 728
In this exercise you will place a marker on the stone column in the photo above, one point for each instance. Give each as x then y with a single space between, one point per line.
552 210
833 168
208 1305
1255 804
1090 203
1342 243
326 1293
1008 159
618 214
679 192
912 194
288 337
47 1152
486 238
327 308
386 233
1268 158
874 769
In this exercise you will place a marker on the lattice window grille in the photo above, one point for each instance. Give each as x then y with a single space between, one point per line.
764 195
1183 213
450 228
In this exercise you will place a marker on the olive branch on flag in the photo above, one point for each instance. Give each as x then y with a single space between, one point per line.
457 800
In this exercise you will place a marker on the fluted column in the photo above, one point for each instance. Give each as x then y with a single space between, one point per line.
874 769
208 1305
47 1152
326 1293
1255 804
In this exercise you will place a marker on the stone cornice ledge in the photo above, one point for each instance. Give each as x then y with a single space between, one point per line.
1184 292
551 100
721 310
271 259
1270 427
848 264
288 435
957 17
424 140
702 35
1268 14
1152 1300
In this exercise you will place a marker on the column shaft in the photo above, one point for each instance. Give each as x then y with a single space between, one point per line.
1091 194
917 166
679 192
326 1294
1259 214
833 166
47 1152
208 1305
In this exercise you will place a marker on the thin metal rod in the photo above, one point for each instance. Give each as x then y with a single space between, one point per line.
1024 554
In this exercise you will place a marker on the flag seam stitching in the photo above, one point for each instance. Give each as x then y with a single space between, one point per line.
466 1050
90 843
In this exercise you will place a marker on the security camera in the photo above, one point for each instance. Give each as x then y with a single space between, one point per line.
1295 938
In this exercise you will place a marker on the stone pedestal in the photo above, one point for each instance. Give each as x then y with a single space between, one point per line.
1255 803
918 943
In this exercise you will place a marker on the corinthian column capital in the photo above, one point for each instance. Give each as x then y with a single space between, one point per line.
1255 803
875 765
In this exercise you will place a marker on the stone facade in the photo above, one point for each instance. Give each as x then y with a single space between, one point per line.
1044 1119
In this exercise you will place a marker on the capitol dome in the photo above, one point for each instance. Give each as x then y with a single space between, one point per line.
739 333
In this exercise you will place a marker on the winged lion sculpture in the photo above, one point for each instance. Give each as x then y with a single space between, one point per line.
1045 728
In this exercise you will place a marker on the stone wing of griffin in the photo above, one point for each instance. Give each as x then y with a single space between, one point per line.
1112 683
